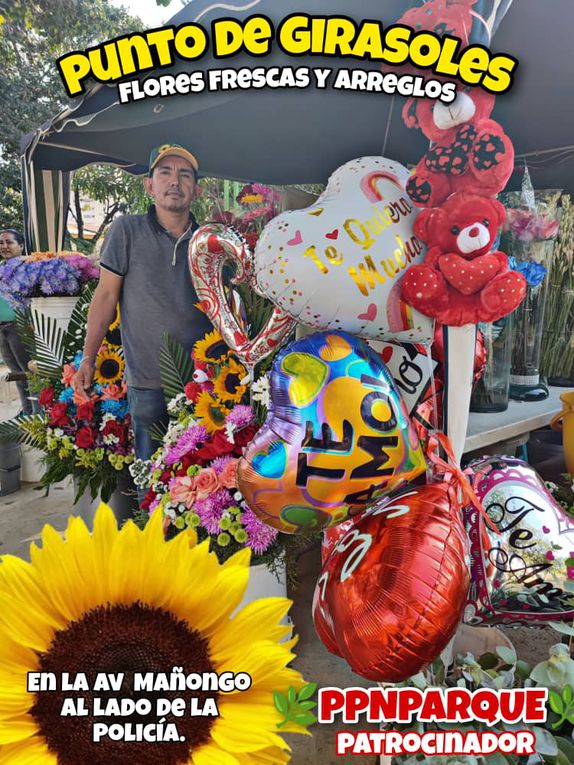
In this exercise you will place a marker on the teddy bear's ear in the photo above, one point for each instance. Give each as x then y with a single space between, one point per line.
500 211
410 113
421 226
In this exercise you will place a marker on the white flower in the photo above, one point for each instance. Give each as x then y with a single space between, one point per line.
552 487
58 432
106 418
260 391
177 403
111 439
229 431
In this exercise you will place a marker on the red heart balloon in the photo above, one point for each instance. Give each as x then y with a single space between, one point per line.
392 592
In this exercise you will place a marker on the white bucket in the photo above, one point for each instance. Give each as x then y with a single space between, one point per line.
57 308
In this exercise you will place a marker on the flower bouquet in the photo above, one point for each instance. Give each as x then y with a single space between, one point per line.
89 440
45 274
528 239
557 354
192 476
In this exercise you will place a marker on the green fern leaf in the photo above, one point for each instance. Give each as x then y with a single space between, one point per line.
176 367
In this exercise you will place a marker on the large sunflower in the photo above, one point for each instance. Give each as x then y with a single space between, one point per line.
227 385
127 601
210 412
211 349
110 367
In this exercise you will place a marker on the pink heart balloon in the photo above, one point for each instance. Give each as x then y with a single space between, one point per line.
519 575
210 249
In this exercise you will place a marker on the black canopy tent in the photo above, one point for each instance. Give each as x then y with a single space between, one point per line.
300 136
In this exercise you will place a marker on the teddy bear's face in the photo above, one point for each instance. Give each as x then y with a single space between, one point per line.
461 110
465 224
441 122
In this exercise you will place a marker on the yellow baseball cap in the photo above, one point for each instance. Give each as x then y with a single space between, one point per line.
168 149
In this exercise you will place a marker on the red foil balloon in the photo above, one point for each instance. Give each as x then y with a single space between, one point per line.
392 592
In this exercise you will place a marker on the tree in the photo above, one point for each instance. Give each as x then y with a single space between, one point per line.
33 34
116 190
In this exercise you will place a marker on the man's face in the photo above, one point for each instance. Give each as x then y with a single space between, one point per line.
172 184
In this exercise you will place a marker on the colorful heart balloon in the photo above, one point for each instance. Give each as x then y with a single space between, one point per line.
518 575
392 592
337 436
211 248
357 240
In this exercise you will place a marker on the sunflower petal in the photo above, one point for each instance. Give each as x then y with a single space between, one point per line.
213 755
31 752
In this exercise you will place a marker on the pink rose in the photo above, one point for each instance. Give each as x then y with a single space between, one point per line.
206 482
228 476
68 374
182 489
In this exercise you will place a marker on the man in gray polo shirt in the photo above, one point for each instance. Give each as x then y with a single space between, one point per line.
144 268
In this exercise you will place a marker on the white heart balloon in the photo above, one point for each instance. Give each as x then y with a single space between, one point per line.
338 264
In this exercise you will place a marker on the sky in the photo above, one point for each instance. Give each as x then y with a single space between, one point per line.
151 14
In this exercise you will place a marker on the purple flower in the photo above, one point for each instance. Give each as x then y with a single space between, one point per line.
260 537
187 442
219 463
211 510
240 416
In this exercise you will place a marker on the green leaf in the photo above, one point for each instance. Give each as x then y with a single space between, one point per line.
176 367
306 705
49 342
281 704
566 747
307 691
304 718
567 694
507 654
564 629
291 696
545 742
555 702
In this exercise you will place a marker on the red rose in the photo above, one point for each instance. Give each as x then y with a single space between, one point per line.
113 428
192 391
216 447
86 411
46 397
245 435
59 414
85 438
148 499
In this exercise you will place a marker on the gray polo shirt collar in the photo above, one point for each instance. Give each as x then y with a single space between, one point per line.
156 226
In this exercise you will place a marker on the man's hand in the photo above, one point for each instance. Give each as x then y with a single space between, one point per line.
84 377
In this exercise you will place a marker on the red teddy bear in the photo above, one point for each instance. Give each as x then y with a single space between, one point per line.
443 17
461 281
469 151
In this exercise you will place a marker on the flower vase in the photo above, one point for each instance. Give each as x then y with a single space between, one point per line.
490 393
123 502
264 583
59 309
529 240
557 354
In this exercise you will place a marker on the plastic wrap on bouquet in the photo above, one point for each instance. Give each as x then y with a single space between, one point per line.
337 436
520 570
392 592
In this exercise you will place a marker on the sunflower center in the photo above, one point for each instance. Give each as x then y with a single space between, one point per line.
232 382
109 368
122 639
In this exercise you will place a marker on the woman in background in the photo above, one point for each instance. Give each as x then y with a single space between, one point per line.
12 349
